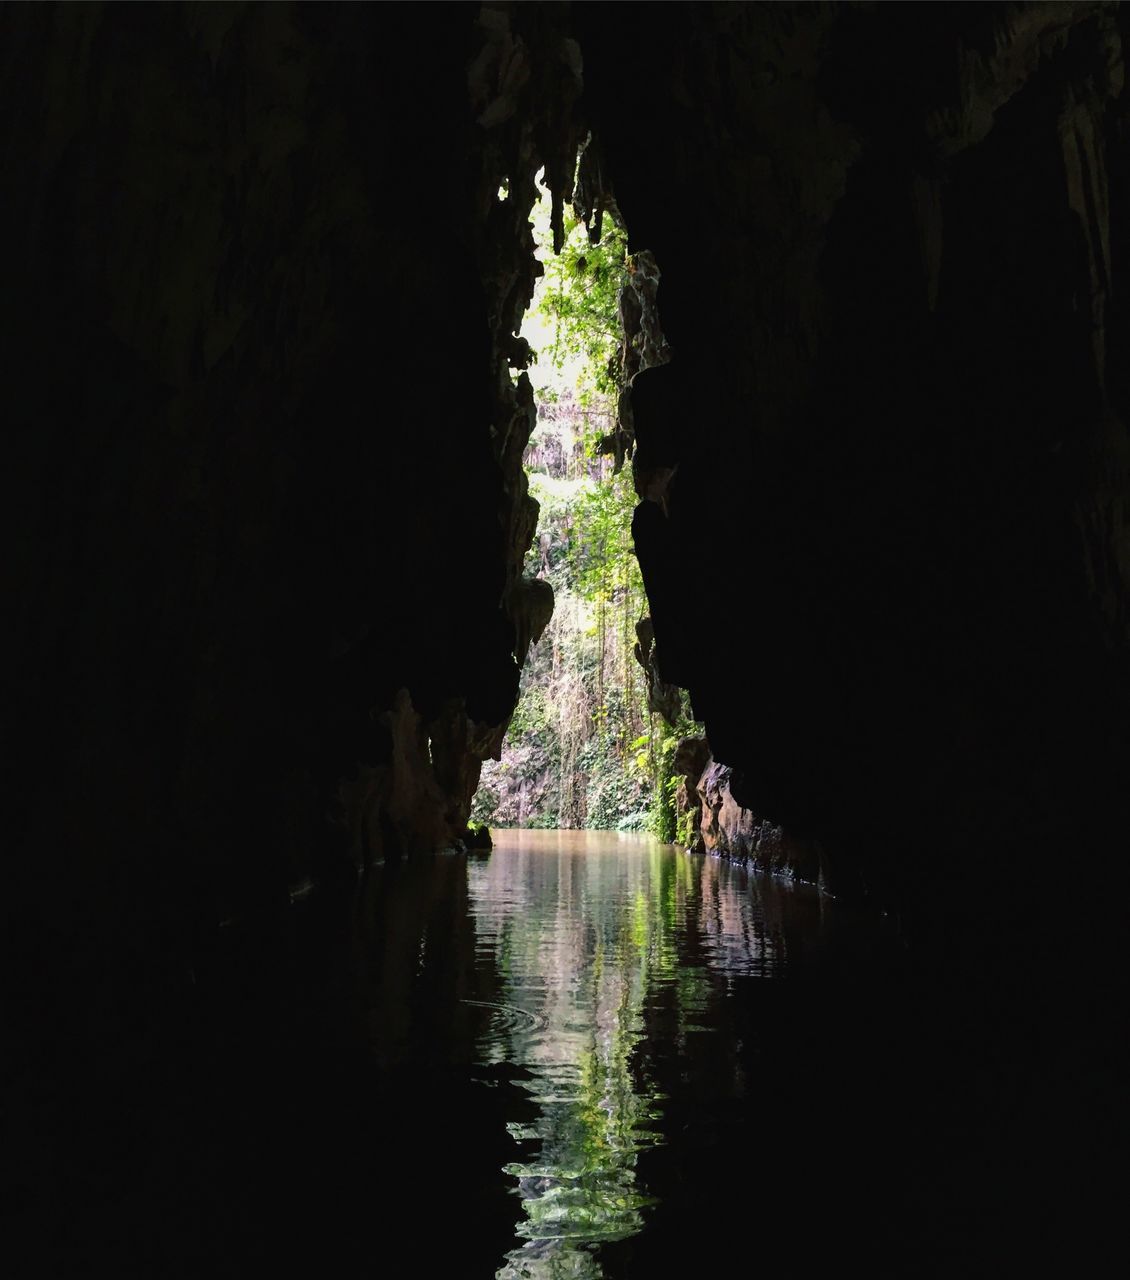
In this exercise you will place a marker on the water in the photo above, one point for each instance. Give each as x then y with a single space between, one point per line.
584 932
586 1055
602 999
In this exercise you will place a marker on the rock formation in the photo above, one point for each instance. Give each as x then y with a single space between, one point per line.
891 562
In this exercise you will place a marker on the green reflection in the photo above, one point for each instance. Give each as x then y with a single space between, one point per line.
584 935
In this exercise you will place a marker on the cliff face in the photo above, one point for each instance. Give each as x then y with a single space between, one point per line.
891 564
265 449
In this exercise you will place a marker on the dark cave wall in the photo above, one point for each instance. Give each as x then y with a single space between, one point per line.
265 539
893 571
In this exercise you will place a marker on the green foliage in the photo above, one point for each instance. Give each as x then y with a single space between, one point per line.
579 300
662 818
580 751
485 804
614 794
685 827
667 819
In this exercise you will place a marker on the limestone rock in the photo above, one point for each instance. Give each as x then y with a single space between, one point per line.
662 698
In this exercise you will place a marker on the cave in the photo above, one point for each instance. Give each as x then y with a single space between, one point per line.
266 418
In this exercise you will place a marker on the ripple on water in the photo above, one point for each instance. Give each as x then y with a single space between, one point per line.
602 963
508 1017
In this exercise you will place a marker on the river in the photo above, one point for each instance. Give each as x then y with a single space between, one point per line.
610 995
583 1055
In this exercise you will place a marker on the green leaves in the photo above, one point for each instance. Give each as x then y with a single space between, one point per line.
580 751
578 299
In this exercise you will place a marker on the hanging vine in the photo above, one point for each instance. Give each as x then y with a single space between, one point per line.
579 749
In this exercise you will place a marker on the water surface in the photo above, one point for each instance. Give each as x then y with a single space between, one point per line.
598 986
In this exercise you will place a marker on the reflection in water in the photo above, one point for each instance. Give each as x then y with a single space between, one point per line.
594 938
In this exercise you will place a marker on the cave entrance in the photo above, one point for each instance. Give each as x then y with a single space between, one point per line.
583 749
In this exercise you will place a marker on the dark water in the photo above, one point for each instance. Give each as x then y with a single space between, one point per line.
586 1055
605 1006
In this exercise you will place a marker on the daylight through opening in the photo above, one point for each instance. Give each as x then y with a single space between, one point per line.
592 741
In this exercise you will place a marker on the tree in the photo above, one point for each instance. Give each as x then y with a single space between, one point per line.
571 757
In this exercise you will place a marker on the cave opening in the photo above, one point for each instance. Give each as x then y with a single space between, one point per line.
588 746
